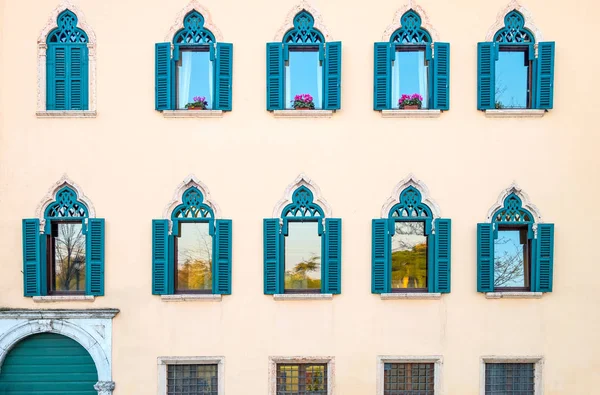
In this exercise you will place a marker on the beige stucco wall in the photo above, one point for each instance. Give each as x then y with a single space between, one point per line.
129 159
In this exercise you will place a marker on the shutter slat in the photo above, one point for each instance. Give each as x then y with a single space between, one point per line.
545 76
271 256
163 82
486 83
382 74
485 258
380 257
442 254
222 257
31 257
223 85
333 75
441 76
544 263
95 257
160 256
275 76
333 255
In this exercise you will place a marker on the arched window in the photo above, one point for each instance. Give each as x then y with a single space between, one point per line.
515 250
411 244
514 70
303 70
411 70
65 255
302 247
194 71
191 247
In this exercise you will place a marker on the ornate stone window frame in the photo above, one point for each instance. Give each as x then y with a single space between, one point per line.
426 23
330 361
437 360
302 180
164 362
514 188
91 328
537 360
51 24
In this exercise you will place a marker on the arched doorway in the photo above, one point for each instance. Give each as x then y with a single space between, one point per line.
48 363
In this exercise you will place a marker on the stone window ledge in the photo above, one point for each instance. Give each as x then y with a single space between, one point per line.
513 295
516 113
192 298
193 114
303 113
63 298
66 114
411 295
410 113
280 297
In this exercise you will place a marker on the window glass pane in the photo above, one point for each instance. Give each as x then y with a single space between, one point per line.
408 378
409 75
69 256
195 77
511 263
194 257
304 74
509 379
409 256
303 256
301 379
192 380
512 79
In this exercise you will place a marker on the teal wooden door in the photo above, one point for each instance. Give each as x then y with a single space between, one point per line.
46 364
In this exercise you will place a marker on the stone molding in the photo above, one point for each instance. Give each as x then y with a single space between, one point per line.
515 113
514 188
425 22
514 295
192 298
437 360
410 113
538 360
307 296
105 387
192 113
302 113
394 198
208 22
66 114
499 23
190 181
273 361
289 21
63 298
163 362
302 180
411 295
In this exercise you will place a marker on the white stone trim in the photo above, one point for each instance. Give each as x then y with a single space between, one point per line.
91 328
208 22
63 298
66 114
411 295
307 296
303 113
289 21
514 188
191 298
514 295
394 198
51 195
437 360
192 113
425 22
41 58
302 180
163 362
499 23
410 113
538 360
330 361
190 181
515 113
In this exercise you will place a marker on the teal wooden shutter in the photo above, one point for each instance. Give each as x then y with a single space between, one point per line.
31 257
380 257
382 77
222 257
333 256
95 257
223 75
163 79
56 78
160 257
272 254
275 94
78 77
545 76
442 249
333 75
544 259
486 76
441 76
485 258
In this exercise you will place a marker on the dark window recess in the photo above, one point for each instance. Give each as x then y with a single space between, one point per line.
192 380
509 379
408 379
301 379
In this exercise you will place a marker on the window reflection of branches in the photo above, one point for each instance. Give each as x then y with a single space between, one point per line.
510 260
69 257
194 257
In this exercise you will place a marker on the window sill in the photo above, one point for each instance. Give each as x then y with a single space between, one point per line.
514 295
193 114
192 298
66 114
411 295
411 113
63 298
524 113
303 113
282 297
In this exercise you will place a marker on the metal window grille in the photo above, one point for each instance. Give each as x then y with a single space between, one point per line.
509 378
302 379
192 380
408 379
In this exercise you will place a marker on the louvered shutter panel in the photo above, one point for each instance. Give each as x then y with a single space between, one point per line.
441 76
160 256
380 257
272 249
275 96
222 257
333 75
442 249
486 76
57 86
544 260
78 77
223 74
31 257
485 258
382 74
95 257
333 256
163 81
545 76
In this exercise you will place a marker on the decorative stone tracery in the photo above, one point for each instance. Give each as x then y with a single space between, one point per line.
290 21
513 205
398 21
208 24
528 24
301 184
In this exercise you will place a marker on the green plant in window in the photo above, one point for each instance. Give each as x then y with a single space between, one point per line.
199 103
303 102
498 105
299 276
414 101
409 267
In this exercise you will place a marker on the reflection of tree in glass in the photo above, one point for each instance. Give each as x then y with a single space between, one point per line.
299 276
509 266
196 270
70 258
409 256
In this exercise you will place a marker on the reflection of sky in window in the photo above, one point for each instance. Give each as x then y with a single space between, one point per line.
508 258
408 235
195 73
512 79
302 243
194 242
409 75
303 74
